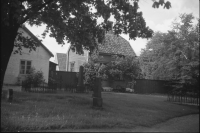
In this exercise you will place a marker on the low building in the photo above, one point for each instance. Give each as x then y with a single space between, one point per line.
19 65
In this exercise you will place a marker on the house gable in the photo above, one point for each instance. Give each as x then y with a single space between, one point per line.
30 34
75 59
61 58
39 60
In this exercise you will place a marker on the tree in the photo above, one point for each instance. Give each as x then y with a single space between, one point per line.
151 57
123 68
174 55
120 68
34 78
71 20
93 69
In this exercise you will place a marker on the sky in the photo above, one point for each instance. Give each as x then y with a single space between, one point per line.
157 19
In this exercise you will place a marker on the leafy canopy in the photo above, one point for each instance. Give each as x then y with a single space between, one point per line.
174 55
76 20
119 68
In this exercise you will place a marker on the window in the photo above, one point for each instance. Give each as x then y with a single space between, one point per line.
72 66
25 67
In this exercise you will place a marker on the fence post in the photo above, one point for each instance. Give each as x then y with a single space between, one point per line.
60 82
186 98
193 98
175 95
22 86
196 99
80 80
97 100
10 95
181 97
168 96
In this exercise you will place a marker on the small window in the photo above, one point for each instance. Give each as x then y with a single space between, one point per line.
25 67
72 64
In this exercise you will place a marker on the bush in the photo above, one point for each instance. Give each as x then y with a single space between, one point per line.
120 68
91 72
18 81
34 78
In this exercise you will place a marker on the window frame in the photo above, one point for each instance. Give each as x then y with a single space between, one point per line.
25 69
72 68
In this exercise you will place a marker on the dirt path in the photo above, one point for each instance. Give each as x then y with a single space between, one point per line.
188 123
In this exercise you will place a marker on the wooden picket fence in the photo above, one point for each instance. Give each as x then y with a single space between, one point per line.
52 88
42 88
184 97
73 88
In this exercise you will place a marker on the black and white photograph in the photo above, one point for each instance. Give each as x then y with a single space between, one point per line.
100 66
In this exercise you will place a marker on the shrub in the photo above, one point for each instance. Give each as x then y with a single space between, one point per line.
18 81
91 72
34 78
120 68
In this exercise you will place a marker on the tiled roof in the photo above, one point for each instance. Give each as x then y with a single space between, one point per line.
116 45
62 58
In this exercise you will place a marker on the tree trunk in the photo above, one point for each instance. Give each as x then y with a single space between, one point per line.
8 35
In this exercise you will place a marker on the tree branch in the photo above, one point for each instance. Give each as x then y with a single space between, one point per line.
39 8
184 55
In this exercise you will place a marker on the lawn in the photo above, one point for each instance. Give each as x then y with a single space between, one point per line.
36 111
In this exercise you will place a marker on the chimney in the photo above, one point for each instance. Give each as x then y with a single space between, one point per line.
110 25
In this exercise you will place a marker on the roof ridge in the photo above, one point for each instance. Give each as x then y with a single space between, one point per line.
116 44
60 53
129 45
35 38
61 61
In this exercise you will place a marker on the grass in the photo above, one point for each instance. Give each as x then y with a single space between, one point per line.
35 111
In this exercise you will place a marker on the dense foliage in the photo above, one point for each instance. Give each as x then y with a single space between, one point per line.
93 69
174 55
119 68
34 78
123 68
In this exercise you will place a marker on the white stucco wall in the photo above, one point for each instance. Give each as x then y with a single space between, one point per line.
56 61
39 58
78 59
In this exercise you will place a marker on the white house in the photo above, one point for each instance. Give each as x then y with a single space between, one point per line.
74 60
71 61
19 65
60 58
